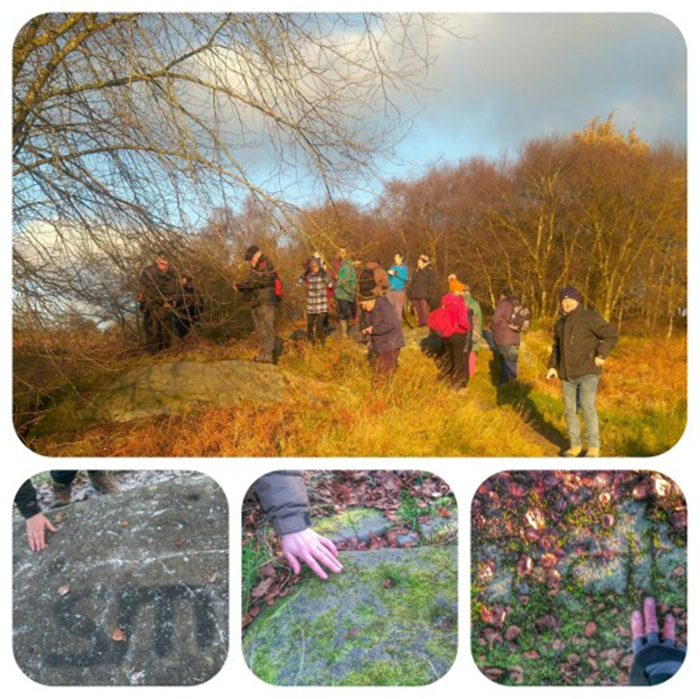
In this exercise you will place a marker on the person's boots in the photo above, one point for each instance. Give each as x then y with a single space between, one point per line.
572 452
593 452
103 482
61 495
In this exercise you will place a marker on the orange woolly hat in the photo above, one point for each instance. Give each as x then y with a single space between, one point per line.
454 285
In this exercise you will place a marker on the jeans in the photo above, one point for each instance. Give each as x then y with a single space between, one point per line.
508 357
580 393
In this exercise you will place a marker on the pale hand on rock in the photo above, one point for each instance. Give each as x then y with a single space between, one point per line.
312 549
35 531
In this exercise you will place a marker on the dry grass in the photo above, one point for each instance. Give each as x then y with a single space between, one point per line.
338 412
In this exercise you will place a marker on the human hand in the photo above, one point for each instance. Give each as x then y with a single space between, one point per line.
367 331
599 361
236 286
551 374
312 549
392 272
35 531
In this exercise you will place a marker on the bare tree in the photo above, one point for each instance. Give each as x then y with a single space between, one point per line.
132 128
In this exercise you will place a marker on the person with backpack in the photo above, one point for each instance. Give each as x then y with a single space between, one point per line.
345 288
317 284
383 329
421 290
476 324
451 322
262 290
398 278
510 319
582 342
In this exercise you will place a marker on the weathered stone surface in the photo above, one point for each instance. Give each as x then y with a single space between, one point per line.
178 387
132 589
390 618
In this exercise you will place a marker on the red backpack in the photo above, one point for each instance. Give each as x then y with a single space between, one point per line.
439 321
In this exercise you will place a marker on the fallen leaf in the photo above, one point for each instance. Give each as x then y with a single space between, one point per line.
512 632
591 627
124 523
118 635
262 588
389 583
268 571
63 590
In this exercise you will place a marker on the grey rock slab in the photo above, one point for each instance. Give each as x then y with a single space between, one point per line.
178 387
389 618
149 565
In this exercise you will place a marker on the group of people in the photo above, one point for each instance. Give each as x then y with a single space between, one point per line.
367 294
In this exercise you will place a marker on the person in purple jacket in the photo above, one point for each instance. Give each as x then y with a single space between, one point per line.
383 329
505 339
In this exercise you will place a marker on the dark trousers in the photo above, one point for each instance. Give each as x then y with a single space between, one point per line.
157 328
264 319
508 358
386 363
345 310
421 306
456 360
315 324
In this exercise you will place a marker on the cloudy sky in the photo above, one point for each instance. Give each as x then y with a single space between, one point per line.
521 76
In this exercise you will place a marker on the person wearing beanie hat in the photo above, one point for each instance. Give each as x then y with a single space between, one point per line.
455 334
421 291
582 342
383 329
259 290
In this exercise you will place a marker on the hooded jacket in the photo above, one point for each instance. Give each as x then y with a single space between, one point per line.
502 334
580 337
380 277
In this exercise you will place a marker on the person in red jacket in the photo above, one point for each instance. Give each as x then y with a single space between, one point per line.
455 336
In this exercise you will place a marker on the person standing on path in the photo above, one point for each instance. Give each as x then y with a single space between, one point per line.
345 288
582 342
477 326
421 290
398 279
259 289
317 284
383 329
506 340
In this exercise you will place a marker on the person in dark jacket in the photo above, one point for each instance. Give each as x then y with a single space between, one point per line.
259 290
456 335
383 329
317 284
505 339
421 290
582 342
283 498
654 660
158 288
188 307
28 504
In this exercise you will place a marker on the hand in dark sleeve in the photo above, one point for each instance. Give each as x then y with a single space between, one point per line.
607 334
26 501
282 495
